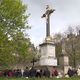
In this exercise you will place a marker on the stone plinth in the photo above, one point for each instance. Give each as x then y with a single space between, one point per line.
64 63
64 59
47 52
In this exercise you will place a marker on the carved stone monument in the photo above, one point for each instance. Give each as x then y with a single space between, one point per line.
64 59
47 48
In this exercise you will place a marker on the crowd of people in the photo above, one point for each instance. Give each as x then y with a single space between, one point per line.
72 72
33 72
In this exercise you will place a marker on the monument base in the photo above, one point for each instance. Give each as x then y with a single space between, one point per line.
47 53
48 61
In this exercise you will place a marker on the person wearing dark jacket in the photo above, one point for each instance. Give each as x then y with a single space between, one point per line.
70 72
46 72
32 72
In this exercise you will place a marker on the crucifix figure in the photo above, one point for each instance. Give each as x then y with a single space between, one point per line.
47 16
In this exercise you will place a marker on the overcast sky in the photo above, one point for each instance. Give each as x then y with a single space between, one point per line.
67 13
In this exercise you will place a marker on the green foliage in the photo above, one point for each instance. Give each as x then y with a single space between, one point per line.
13 21
72 48
72 45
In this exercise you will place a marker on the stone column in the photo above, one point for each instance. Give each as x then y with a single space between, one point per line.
64 59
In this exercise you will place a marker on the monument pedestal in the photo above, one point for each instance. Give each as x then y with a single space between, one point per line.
64 63
47 53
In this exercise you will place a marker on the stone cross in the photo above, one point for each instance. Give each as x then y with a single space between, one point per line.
47 16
